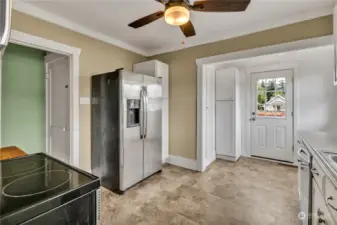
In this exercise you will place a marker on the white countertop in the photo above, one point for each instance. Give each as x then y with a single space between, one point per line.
321 141
321 145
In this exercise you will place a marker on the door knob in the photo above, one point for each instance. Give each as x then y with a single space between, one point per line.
252 119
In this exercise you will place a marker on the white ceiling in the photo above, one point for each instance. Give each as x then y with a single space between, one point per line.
107 20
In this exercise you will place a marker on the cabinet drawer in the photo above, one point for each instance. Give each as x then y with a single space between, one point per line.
331 198
318 174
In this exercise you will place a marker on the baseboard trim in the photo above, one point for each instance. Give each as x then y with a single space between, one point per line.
165 160
182 162
285 163
226 157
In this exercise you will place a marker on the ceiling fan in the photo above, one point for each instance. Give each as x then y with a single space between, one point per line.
177 12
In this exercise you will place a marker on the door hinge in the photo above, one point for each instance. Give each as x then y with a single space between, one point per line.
292 113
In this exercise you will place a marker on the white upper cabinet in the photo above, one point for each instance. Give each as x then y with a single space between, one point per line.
225 128
157 69
225 85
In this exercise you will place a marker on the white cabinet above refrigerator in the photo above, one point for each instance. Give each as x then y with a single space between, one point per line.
155 68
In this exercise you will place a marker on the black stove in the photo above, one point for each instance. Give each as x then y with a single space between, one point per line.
39 189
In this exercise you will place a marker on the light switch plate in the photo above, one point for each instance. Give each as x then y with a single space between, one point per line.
84 100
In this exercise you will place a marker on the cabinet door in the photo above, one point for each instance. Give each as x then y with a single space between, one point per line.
162 71
225 85
224 128
331 198
145 68
320 212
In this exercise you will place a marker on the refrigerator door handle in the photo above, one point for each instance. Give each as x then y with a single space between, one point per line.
146 101
142 103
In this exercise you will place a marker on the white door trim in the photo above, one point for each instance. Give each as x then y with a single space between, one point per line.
203 64
32 41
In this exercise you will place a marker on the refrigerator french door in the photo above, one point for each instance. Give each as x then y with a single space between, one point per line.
152 92
126 128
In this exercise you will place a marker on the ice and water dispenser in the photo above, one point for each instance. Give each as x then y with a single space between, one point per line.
133 112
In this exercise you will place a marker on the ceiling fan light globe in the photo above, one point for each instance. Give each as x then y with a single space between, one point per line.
177 15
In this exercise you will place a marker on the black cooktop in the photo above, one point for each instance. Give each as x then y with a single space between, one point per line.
37 183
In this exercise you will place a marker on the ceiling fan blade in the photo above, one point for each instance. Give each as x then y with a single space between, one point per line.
160 1
146 20
188 29
220 5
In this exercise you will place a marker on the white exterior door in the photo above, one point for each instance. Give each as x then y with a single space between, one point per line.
58 111
272 115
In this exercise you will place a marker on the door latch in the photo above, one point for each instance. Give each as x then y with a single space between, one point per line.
253 118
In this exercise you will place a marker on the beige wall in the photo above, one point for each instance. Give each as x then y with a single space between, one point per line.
96 57
183 80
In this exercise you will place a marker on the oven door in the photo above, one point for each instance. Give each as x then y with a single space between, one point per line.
81 211
304 164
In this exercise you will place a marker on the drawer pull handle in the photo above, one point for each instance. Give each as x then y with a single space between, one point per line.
321 221
314 171
329 204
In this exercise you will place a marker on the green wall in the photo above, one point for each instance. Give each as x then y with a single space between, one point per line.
23 99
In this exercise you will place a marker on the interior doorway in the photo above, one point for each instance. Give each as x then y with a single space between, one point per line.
34 100
72 54
312 88
272 114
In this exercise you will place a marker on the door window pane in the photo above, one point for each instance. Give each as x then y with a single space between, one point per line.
280 84
270 96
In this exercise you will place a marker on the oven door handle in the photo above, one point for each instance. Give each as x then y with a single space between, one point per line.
329 203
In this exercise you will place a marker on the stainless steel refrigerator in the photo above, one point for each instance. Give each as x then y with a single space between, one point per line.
125 128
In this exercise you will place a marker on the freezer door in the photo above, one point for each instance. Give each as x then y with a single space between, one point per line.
152 123
131 148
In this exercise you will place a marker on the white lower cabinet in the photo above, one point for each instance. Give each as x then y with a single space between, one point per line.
224 129
320 212
331 199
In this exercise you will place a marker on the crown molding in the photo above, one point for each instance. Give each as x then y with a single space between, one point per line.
253 28
26 8
36 12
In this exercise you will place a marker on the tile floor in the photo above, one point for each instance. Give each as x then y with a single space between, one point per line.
248 192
